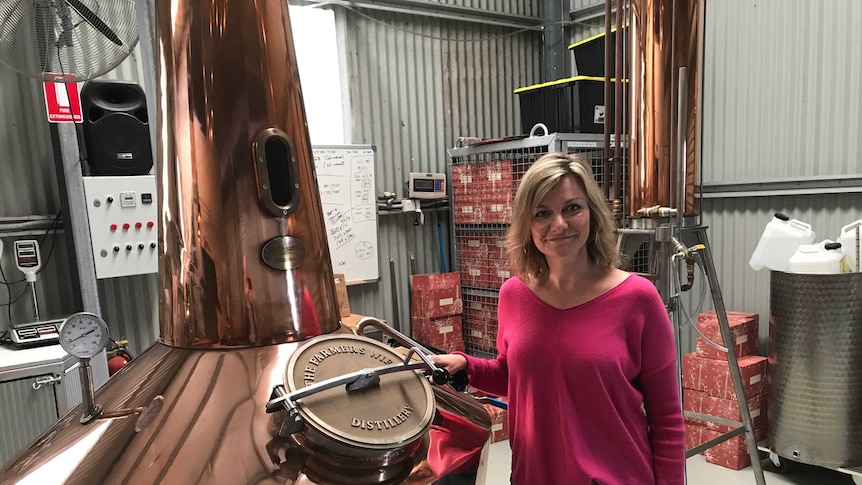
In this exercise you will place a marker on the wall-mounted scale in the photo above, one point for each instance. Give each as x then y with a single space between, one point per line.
85 335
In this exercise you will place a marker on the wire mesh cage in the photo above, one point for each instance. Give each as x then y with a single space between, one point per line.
483 179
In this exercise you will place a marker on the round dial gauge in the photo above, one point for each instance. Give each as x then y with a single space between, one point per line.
83 335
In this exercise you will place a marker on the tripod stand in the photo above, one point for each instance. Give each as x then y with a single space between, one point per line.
665 241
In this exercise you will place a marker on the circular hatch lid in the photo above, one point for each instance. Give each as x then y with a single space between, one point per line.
391 414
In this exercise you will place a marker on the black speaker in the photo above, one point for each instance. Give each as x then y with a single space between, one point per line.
116 128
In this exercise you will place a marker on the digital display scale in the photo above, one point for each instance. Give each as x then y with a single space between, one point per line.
35 334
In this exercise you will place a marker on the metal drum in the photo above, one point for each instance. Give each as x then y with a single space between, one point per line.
815 368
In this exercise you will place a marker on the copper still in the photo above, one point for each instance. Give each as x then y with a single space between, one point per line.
247 293
665 35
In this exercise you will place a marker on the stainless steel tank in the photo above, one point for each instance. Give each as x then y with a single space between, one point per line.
815 368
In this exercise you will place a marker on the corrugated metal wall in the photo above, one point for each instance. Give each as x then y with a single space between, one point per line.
416 84
781 87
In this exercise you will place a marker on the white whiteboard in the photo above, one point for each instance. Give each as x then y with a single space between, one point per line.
345 180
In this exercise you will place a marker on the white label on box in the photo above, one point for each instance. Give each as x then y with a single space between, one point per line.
473 243
496 207
741 339
475 333
474 272
447 329
475 305
466 179
467 209
501 243
494 176
503 274
445 301
755 413
754 379
496 427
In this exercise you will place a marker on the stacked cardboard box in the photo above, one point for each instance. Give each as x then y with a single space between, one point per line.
436 310
482 192
480 322
499 423
708 388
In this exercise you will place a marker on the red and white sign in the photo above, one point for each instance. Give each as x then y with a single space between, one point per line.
62 100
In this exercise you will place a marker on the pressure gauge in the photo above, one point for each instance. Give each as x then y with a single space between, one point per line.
83 335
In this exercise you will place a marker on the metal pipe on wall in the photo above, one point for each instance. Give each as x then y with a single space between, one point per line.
619 75
607 101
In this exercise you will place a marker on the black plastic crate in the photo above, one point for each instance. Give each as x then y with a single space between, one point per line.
590 53
573 105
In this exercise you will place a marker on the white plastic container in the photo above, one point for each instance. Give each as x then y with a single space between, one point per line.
825 257
850 244
781 238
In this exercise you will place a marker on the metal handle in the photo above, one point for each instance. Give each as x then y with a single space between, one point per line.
42 381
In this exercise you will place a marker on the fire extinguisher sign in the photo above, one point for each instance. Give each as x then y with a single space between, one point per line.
62 99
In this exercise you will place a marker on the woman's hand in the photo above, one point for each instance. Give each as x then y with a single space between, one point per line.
451 362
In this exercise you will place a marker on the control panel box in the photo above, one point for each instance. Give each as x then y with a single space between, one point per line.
123 224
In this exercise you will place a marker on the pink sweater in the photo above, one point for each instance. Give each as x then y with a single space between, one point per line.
576 380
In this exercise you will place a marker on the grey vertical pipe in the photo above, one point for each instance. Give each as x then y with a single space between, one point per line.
681 107
554 50
145 17
704 257
396 319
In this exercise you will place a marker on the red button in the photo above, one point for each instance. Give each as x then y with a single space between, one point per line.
138 225
113 227
126 226
150 224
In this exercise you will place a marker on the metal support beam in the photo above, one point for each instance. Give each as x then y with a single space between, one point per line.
806 186
554 46
426 8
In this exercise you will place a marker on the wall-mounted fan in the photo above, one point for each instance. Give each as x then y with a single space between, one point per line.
82 39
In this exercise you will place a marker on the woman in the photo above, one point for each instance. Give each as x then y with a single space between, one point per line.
586 351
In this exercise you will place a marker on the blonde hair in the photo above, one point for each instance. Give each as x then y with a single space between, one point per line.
525 259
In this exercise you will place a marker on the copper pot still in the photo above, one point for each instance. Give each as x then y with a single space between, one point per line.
246 291
665 35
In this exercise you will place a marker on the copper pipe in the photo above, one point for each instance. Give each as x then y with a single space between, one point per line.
619 39
664 37
229 88
607 101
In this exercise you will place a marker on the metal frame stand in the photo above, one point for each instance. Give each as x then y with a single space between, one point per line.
663 243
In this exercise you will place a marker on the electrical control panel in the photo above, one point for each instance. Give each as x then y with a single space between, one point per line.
123 224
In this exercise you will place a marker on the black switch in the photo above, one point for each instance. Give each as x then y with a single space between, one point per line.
116 249
128 247
146 198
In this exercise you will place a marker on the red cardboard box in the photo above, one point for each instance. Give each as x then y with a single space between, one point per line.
436 295
732 453
499 423
495 176
496 243
703 403
470 211
743 330
462 180
474 272
498 209
473 245
480 333
731 315
498 272
712 376
444 333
